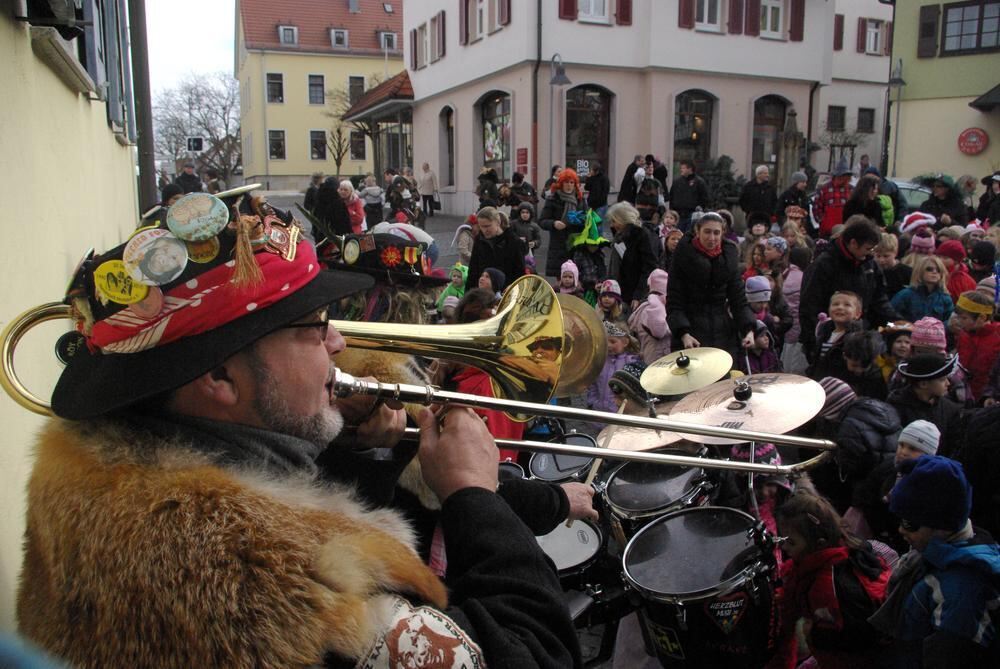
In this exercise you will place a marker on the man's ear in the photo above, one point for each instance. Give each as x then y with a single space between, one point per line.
215 388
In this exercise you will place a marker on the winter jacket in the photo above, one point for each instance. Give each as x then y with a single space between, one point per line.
649 324
599 395
828 206
952 205
897 278
791 290
945 414
505 252
989 209
356 214
871 499
529 232
598 188
981 461
637 262
959 281
791 197
706 297
831 361
687 194
331 210
871 210
189 182
760 362
452 289
628 188
759 198
556 209
914 302
978 351
463 241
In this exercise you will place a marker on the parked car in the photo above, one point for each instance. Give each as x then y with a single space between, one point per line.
911 195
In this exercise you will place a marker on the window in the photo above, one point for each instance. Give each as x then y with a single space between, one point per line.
317 89
479 19
358 145
594 10
338 38
288 35
317 144
388 41
836 118
355 88
423 46
768 122
387 7
275 87
706 15
588 128
771 20
276 144
447 144
866 120
971 27
693 128
435 39
496 133
873 37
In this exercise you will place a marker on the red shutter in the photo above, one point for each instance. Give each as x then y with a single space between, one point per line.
413 49
441 34
797 21
685 14
862 30
887 44
567 9
623 13
463 21
838 32
927 44
752 22
504 12
735 17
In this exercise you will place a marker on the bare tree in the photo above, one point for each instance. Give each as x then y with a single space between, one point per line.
339 101
338 143
202 105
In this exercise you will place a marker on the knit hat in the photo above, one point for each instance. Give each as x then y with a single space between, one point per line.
932 492
569 267
765 454
778 243
921 435
916 220
799 177
922 243
953 232
611 286
450 301
758 289
838 397
988 287
794 211
983 253
927 366
626 381
951 249
497 278
873 170
657 281
611 329
974 226
842 169
929 332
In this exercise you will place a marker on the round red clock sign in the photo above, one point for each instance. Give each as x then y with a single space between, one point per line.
973 141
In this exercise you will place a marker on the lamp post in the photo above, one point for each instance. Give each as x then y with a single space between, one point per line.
896 82
557 78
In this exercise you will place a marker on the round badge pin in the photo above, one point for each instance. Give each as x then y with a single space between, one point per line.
197 217
113 282
203 252
352 250
155 257
68 345
148 307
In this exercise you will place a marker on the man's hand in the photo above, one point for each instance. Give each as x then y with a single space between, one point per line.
689 341
581 501
748 340
459 453
559 225
378 425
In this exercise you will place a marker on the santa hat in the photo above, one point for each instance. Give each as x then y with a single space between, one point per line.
916 220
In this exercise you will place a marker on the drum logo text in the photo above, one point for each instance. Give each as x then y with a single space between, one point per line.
665 639
727 611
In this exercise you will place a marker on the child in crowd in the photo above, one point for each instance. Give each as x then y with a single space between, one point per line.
792 232
374 198
622 350
953 254
755 263
926 295
458 275
982 260
649 320
833 581
671 219
759 358
776 255
929 337
941 604
897 275
768 305
494 280
921 244
465 237
449 310
844 317
671 239
522 221
863 375
896 337
569 279
925 397
793 359
978 341
758 292
609 302
757 231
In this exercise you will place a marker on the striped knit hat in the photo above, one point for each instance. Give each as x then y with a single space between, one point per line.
838 397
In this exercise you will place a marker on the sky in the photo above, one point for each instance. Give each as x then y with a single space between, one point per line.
188 36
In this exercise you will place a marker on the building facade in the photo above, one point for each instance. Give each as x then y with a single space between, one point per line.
949 107
682 79
68 183
300 64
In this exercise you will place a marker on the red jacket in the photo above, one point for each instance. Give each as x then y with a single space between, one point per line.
476 382
356 212
978 351
959 281
828 206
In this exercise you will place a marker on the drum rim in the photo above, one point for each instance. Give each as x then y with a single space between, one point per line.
699 476
601 538
576 474
730 584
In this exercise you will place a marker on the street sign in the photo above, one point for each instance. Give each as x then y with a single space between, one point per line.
195 144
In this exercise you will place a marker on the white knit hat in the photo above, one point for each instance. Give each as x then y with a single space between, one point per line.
921 435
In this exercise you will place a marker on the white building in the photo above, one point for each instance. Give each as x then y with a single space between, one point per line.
680 79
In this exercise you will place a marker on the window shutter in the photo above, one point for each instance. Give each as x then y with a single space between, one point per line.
838 32
862 30
752 22
623 13
504 12
413 49
567 9
735 17
887 43
685 14
797 21
927 44
441 34
463 21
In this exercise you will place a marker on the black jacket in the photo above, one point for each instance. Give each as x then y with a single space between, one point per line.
331 210
189 182
989 208
556 210
759 198
951 205
871 209
706 298
487 190
946 414
832 270
688 193
505 252
309 203
981 459
628 189
792 196
598 187
661 174
636 264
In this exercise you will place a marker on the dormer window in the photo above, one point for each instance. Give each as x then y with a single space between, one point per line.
338 38
288 35
387 6
388 41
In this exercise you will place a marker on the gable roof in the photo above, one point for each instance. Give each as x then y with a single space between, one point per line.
314 19
395 89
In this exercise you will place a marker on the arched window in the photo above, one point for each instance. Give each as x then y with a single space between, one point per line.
693 114
588 128
768 122
495 113
446 146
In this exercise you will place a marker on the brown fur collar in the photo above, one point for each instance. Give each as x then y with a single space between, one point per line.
146 554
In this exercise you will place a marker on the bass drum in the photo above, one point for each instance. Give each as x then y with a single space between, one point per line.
556 468
705 578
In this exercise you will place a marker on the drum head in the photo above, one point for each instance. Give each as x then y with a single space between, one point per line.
644 486
690 552
509 470
556 467
573 546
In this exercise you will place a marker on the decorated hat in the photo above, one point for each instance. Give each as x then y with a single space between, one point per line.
610 287
779 243
890 331
611 329
929 332
918 219
927 366
794 211
626 381
179 298
569 267
951 232
387 257
765 454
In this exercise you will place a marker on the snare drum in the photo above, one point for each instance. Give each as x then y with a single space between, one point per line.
704 575
573 550
556 468
638 492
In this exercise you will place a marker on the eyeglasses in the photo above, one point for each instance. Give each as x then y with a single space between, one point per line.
908 526
319 321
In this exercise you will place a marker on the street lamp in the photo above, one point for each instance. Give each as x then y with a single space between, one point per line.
896 82
558 78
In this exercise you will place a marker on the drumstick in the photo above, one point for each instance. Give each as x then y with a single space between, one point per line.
599 461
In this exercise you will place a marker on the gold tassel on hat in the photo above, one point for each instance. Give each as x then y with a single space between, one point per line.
247 271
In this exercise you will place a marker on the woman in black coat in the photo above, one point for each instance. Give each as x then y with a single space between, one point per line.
496 246
563 197
331 210
639 258
864 200
706 305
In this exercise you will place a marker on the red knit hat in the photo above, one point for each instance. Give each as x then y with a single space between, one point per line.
951 249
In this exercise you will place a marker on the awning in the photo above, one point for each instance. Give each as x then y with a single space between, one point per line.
988 101
387 98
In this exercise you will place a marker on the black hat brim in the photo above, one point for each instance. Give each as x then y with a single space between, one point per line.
95 384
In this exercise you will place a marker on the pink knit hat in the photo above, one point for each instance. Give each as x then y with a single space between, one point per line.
610 287
657 281
929 332
920 244
569 267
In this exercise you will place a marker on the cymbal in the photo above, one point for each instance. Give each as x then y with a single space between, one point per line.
627 438
685 371
585 346
778 403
